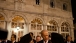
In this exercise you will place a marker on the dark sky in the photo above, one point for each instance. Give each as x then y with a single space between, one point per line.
74 10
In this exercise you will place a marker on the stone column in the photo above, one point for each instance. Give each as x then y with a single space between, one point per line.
28 25
5 23
59 29
44 27
26 28
72 33
8 25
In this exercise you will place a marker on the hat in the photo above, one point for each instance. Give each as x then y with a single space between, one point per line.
57 38
26 38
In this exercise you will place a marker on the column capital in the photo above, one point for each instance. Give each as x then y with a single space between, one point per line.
8 21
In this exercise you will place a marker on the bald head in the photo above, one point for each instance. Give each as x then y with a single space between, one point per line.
44 31
45 35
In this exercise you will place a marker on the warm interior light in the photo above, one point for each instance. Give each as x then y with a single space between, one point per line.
18 28
48 23
15 30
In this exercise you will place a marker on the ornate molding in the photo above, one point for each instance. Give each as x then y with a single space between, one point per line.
42 14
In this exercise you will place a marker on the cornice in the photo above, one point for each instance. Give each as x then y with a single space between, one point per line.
42 14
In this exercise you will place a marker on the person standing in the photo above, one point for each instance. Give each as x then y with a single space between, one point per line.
38 38
45 36
68 39
13 38
6 41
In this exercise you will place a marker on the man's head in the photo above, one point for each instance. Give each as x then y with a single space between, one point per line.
68 38
45 35
38 38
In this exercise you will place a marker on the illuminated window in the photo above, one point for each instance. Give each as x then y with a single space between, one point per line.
52 26
65 29
17 21
36 24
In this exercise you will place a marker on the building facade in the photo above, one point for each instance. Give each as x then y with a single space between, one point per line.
22 16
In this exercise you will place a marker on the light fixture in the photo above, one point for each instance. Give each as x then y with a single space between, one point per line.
18 28
48 23
15 30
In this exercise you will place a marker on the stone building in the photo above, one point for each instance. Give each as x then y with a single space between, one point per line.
23 16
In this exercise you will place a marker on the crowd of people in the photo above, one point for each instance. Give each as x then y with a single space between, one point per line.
28 38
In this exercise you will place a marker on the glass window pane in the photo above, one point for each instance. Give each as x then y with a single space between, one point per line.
39 27
33 26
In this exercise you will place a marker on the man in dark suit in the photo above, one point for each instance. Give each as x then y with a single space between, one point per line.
75 40
3 36
6 41
26 38
45 36
38 38
57 38
68 39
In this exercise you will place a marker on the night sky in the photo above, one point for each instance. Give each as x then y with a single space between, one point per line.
74 10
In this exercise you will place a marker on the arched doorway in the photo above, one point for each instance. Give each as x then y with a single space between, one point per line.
52 26
36 26
18 25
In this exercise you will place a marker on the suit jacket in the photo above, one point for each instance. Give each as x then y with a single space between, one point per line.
70 41
8 41
57 38
49 41
34 41
14 42
75 41
26 38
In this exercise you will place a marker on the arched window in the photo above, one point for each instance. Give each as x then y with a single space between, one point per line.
64 6
36 26
17 26
52 26
18 21
65 29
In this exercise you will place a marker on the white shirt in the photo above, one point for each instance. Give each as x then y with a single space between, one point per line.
46 41
6 41
68 42
13 41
